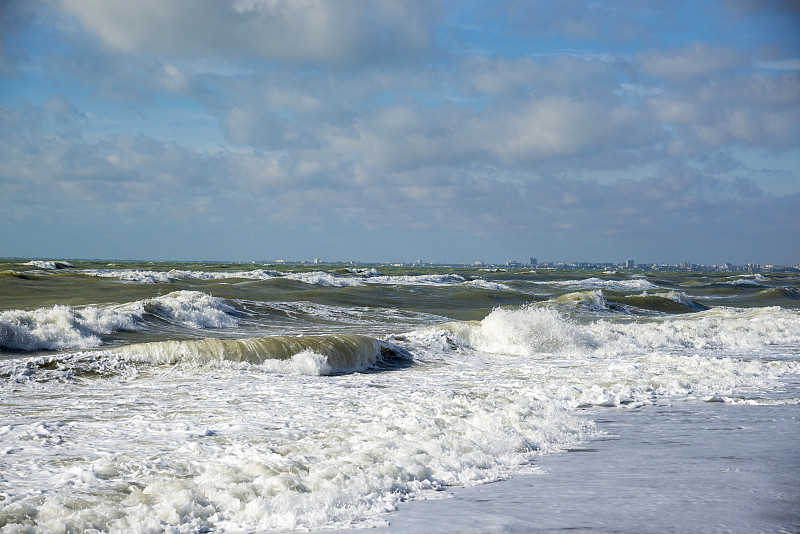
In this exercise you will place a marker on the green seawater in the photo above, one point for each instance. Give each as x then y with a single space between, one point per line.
319 299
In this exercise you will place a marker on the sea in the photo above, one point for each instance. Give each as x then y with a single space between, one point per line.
195 397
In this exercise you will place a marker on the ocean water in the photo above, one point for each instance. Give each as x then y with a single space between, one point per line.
158 397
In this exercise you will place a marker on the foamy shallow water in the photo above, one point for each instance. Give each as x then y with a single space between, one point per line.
310 401
687 466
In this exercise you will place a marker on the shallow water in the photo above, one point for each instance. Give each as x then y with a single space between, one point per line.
690 466
193 398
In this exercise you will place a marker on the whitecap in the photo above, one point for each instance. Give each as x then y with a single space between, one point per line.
64 327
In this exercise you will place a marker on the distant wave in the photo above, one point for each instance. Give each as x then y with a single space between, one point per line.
600 283
593 300
485 284
644 303
753 280
662 302
131 275
255 274
49 265
785 292
344 278
25 275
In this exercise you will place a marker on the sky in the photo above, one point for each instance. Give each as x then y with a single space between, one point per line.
444 131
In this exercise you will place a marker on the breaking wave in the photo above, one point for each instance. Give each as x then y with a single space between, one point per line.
49 265
66 327
539 329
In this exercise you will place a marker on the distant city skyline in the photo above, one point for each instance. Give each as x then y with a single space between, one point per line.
438 129
548 264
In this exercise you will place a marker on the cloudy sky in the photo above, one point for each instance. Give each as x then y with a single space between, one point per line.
446 131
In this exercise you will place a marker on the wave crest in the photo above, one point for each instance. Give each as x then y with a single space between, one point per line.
313 355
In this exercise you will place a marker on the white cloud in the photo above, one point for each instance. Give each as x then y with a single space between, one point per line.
759 110
173 79
696 61
343 32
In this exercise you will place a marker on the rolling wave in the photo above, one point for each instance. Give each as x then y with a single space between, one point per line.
25 275
318 355
313 355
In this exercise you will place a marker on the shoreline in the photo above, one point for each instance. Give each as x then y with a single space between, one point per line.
708 467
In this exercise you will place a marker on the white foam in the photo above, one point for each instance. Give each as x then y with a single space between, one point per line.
312 363
229 454
724 329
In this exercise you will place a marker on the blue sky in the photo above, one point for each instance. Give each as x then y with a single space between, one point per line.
449 131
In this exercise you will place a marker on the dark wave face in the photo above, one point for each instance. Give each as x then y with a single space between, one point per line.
185 397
